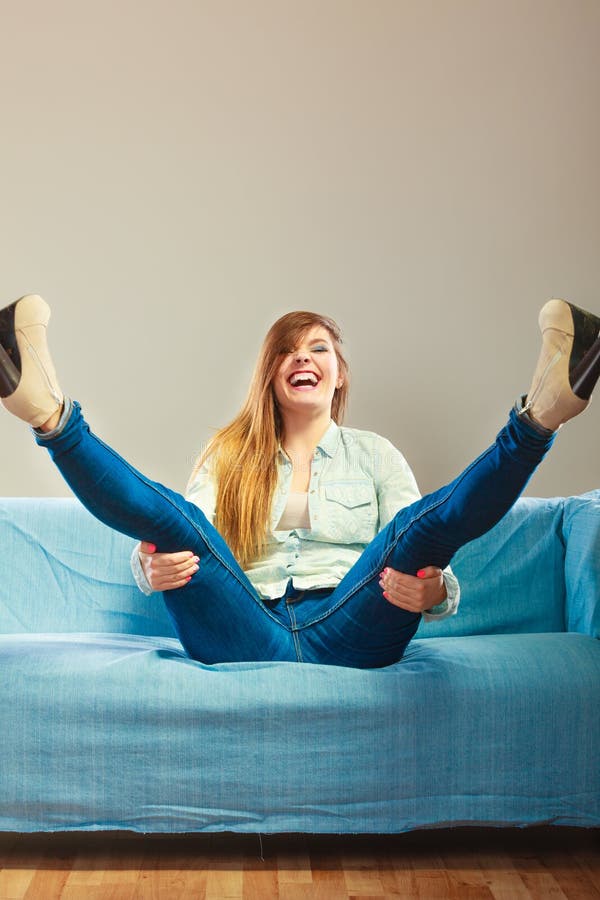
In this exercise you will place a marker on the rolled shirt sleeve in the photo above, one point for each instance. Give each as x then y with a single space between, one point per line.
138 573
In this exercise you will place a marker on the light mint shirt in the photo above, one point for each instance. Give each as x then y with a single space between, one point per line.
358 481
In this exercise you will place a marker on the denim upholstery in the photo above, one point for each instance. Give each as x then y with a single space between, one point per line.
490 718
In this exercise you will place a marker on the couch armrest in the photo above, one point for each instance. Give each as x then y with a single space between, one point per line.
581 530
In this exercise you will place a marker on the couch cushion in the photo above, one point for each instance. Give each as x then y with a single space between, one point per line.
512 578
62 570
126 732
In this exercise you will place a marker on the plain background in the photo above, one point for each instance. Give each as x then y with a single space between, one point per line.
176 175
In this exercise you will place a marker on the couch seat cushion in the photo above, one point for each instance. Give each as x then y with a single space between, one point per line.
105 731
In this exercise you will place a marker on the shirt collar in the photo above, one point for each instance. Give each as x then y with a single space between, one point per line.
328 443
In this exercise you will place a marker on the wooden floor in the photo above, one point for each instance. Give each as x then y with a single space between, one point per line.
461 863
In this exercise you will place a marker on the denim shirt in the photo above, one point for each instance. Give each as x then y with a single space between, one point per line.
358 481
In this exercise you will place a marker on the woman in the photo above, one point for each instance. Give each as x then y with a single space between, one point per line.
332 608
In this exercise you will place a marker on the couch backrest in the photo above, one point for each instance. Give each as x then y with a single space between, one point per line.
63 571
512 578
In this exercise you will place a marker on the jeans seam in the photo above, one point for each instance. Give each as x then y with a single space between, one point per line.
294 630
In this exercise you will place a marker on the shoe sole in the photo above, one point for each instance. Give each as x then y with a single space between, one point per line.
10 358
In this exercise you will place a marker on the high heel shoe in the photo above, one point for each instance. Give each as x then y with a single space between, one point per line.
568 366
28 385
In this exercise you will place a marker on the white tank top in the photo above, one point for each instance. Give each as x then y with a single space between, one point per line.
295 514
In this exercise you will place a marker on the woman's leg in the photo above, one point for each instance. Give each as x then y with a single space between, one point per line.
359 627
218 615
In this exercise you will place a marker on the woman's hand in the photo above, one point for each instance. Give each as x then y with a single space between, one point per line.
166 571
415 593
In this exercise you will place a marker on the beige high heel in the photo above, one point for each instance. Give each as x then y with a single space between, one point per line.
29 387
568 366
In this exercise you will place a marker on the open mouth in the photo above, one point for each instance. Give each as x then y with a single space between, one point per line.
304 381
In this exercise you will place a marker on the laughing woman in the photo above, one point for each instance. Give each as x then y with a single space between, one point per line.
299 539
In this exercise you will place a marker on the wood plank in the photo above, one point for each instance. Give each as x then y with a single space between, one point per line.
587 858
466 864
361 871
293 861
543 886
502 879
466 878
224 869
260 875
573 880
95 859
327 873
401 861
431 877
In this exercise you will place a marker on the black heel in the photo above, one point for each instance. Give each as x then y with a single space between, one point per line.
10 358
9 374
584 364
584 376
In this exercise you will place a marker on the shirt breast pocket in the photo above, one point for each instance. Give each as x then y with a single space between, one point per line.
351 508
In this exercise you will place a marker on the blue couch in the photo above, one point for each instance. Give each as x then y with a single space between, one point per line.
491 718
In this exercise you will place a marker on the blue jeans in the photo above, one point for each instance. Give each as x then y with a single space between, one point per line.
219 616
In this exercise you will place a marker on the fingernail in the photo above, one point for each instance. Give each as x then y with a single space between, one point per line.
189 578
195 569
151 548
421 573
385 595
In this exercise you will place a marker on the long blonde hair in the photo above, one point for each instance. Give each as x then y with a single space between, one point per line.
243 454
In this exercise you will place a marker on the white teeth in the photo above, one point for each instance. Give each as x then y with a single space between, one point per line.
303 378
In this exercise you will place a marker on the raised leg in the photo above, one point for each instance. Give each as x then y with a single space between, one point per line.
218 615
359 627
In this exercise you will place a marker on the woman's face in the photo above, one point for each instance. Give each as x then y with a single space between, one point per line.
308 376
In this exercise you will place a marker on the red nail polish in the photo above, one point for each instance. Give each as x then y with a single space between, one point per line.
421 573
151 548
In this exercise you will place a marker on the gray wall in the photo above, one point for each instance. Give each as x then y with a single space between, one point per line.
177 175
